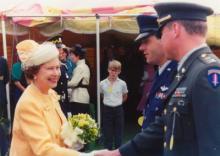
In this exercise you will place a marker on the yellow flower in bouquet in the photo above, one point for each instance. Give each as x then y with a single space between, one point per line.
87 125
80 129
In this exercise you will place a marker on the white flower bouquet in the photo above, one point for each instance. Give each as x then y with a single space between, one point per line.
80 129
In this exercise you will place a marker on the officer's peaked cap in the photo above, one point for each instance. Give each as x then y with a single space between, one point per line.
171 11
57 40
147 26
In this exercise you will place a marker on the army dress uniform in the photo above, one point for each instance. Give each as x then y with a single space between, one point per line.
191 117
189 125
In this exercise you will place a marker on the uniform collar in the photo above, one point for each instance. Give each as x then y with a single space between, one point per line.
162 68
187 55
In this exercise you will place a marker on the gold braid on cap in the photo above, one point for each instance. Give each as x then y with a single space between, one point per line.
165 18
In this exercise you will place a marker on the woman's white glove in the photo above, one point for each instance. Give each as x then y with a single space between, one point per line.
87 154
77 146
94 153
70 136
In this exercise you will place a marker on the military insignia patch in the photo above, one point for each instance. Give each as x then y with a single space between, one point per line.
164 88
214 77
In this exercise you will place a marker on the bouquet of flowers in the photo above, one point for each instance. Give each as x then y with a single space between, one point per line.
80 129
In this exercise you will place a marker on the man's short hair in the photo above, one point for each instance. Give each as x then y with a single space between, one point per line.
192 27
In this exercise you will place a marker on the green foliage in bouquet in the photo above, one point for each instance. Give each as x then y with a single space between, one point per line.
87 125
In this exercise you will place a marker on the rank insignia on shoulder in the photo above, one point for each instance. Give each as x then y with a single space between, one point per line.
208 58
214 76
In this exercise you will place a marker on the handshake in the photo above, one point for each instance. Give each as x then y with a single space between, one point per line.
102 153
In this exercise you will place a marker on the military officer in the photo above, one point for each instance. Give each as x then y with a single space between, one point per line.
190 123
151 47
192 127
61 87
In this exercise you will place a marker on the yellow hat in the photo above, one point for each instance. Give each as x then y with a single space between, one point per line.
33 54
25 49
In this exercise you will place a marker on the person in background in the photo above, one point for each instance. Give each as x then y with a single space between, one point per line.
38 117
18 84
61 87
79 95
4 78
114 92
69 63
151 48
145 84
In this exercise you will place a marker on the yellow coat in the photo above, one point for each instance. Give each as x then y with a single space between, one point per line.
37 125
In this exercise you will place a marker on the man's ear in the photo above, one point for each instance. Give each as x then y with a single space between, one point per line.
176 27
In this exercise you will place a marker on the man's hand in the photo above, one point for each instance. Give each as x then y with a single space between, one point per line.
107 153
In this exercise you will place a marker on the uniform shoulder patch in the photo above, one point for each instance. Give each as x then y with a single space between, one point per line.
214 76
208 58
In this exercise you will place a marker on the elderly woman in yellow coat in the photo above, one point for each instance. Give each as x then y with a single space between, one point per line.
38 117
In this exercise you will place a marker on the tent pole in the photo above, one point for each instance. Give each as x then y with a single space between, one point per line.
98 68
6 57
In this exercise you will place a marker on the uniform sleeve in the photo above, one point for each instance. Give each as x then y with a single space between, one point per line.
76 78
146 143
36 132
206 110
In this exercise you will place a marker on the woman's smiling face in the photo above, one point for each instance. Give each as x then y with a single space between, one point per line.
48 75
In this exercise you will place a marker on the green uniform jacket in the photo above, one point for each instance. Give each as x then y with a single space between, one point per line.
190 124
